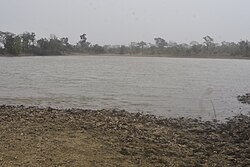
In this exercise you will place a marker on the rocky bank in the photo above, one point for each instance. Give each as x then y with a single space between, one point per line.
32 136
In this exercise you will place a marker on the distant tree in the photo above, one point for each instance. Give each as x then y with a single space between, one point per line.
193 43
172 44
65 41
17 45
66 46
98 49
12 44
26 43
42 47
142 44
2 38
43 44
209 44
9 43
28 40
195 47
134 48
208 41
160 43
55 45
1 50
227 48
83 45
244 48
122 49
152 49
83 40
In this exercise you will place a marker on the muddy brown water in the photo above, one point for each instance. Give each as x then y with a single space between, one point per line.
170 87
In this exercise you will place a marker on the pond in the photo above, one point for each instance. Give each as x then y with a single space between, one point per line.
170 87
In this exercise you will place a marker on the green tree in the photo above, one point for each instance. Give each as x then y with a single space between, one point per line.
244 48
42 47
83 40
65 41
208 41
83 45
28 40
12 44
122 49
134 48
160 44
2 38
195 47
209 44
98 49
141 45
43 43
55 45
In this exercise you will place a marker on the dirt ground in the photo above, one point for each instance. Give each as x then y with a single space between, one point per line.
32 136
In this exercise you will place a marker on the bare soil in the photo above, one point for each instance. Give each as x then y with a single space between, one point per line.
32 136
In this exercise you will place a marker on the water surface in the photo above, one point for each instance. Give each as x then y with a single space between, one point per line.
162 86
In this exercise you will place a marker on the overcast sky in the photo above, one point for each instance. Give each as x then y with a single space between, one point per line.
124 21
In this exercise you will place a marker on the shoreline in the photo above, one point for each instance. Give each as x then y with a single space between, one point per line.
134 55
33 136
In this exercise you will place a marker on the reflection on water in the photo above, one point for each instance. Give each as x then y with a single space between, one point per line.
161 86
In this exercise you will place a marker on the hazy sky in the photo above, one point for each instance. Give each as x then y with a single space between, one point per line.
123 21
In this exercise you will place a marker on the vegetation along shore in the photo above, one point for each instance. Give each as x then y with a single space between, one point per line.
27 44
32 136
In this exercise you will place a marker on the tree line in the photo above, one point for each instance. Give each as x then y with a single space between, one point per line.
26 43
